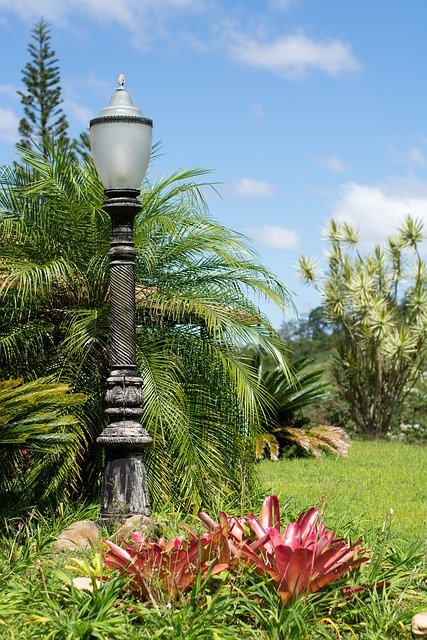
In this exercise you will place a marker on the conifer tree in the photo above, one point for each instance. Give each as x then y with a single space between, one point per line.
44 117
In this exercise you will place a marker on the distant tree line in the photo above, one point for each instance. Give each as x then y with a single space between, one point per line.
310 335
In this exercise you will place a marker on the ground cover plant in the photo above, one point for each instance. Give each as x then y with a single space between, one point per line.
38 599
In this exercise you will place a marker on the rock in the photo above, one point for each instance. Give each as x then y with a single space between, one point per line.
419 625
85 583
136 523
80 535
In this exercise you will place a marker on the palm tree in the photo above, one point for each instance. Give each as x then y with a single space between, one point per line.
196 281
284 425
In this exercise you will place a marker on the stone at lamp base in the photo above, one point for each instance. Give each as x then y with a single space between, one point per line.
80 535
419 625
142 524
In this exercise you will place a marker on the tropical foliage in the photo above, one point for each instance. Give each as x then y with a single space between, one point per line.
285 428
302 560
377 302
309 335
39 596
161 569
38 434
196 282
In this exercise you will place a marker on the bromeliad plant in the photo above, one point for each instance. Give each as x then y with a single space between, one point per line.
301 560
171 567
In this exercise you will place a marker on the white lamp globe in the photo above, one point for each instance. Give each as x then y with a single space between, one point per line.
120 142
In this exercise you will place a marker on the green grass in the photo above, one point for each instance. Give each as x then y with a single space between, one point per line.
362 488
37 599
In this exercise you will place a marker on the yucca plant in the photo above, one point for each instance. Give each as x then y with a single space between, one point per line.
376 301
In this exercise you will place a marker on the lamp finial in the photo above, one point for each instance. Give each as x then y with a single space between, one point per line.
121 80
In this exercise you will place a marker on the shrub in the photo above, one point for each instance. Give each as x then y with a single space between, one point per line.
376 303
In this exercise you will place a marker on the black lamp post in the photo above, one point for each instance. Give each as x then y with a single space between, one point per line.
120 140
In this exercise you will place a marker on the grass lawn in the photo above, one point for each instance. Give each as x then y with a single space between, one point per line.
360 489
375 602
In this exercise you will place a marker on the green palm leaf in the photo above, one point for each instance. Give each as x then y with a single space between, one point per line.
36 423
281 420
198 285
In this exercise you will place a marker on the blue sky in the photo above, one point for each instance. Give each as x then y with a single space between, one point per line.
304 109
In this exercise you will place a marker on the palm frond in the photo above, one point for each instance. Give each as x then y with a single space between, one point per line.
198 288
36 424
317 438
266 441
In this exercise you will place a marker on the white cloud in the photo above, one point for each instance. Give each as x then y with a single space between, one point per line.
274 237
138 16
413 156
378 210
294 56
8 90
81 113
254 188
9 123
416 156
331 163
290 56
282 5
195 43
52 10
258 110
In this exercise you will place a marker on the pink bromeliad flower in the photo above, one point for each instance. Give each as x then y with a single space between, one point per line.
302 559
171 567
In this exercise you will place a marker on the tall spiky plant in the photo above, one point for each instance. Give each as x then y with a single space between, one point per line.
194 314
377 300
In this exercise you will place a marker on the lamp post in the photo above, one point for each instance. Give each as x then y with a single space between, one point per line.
120 140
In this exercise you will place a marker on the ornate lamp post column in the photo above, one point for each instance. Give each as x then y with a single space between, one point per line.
120 141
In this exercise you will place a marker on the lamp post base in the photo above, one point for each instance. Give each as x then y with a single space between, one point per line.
124 486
